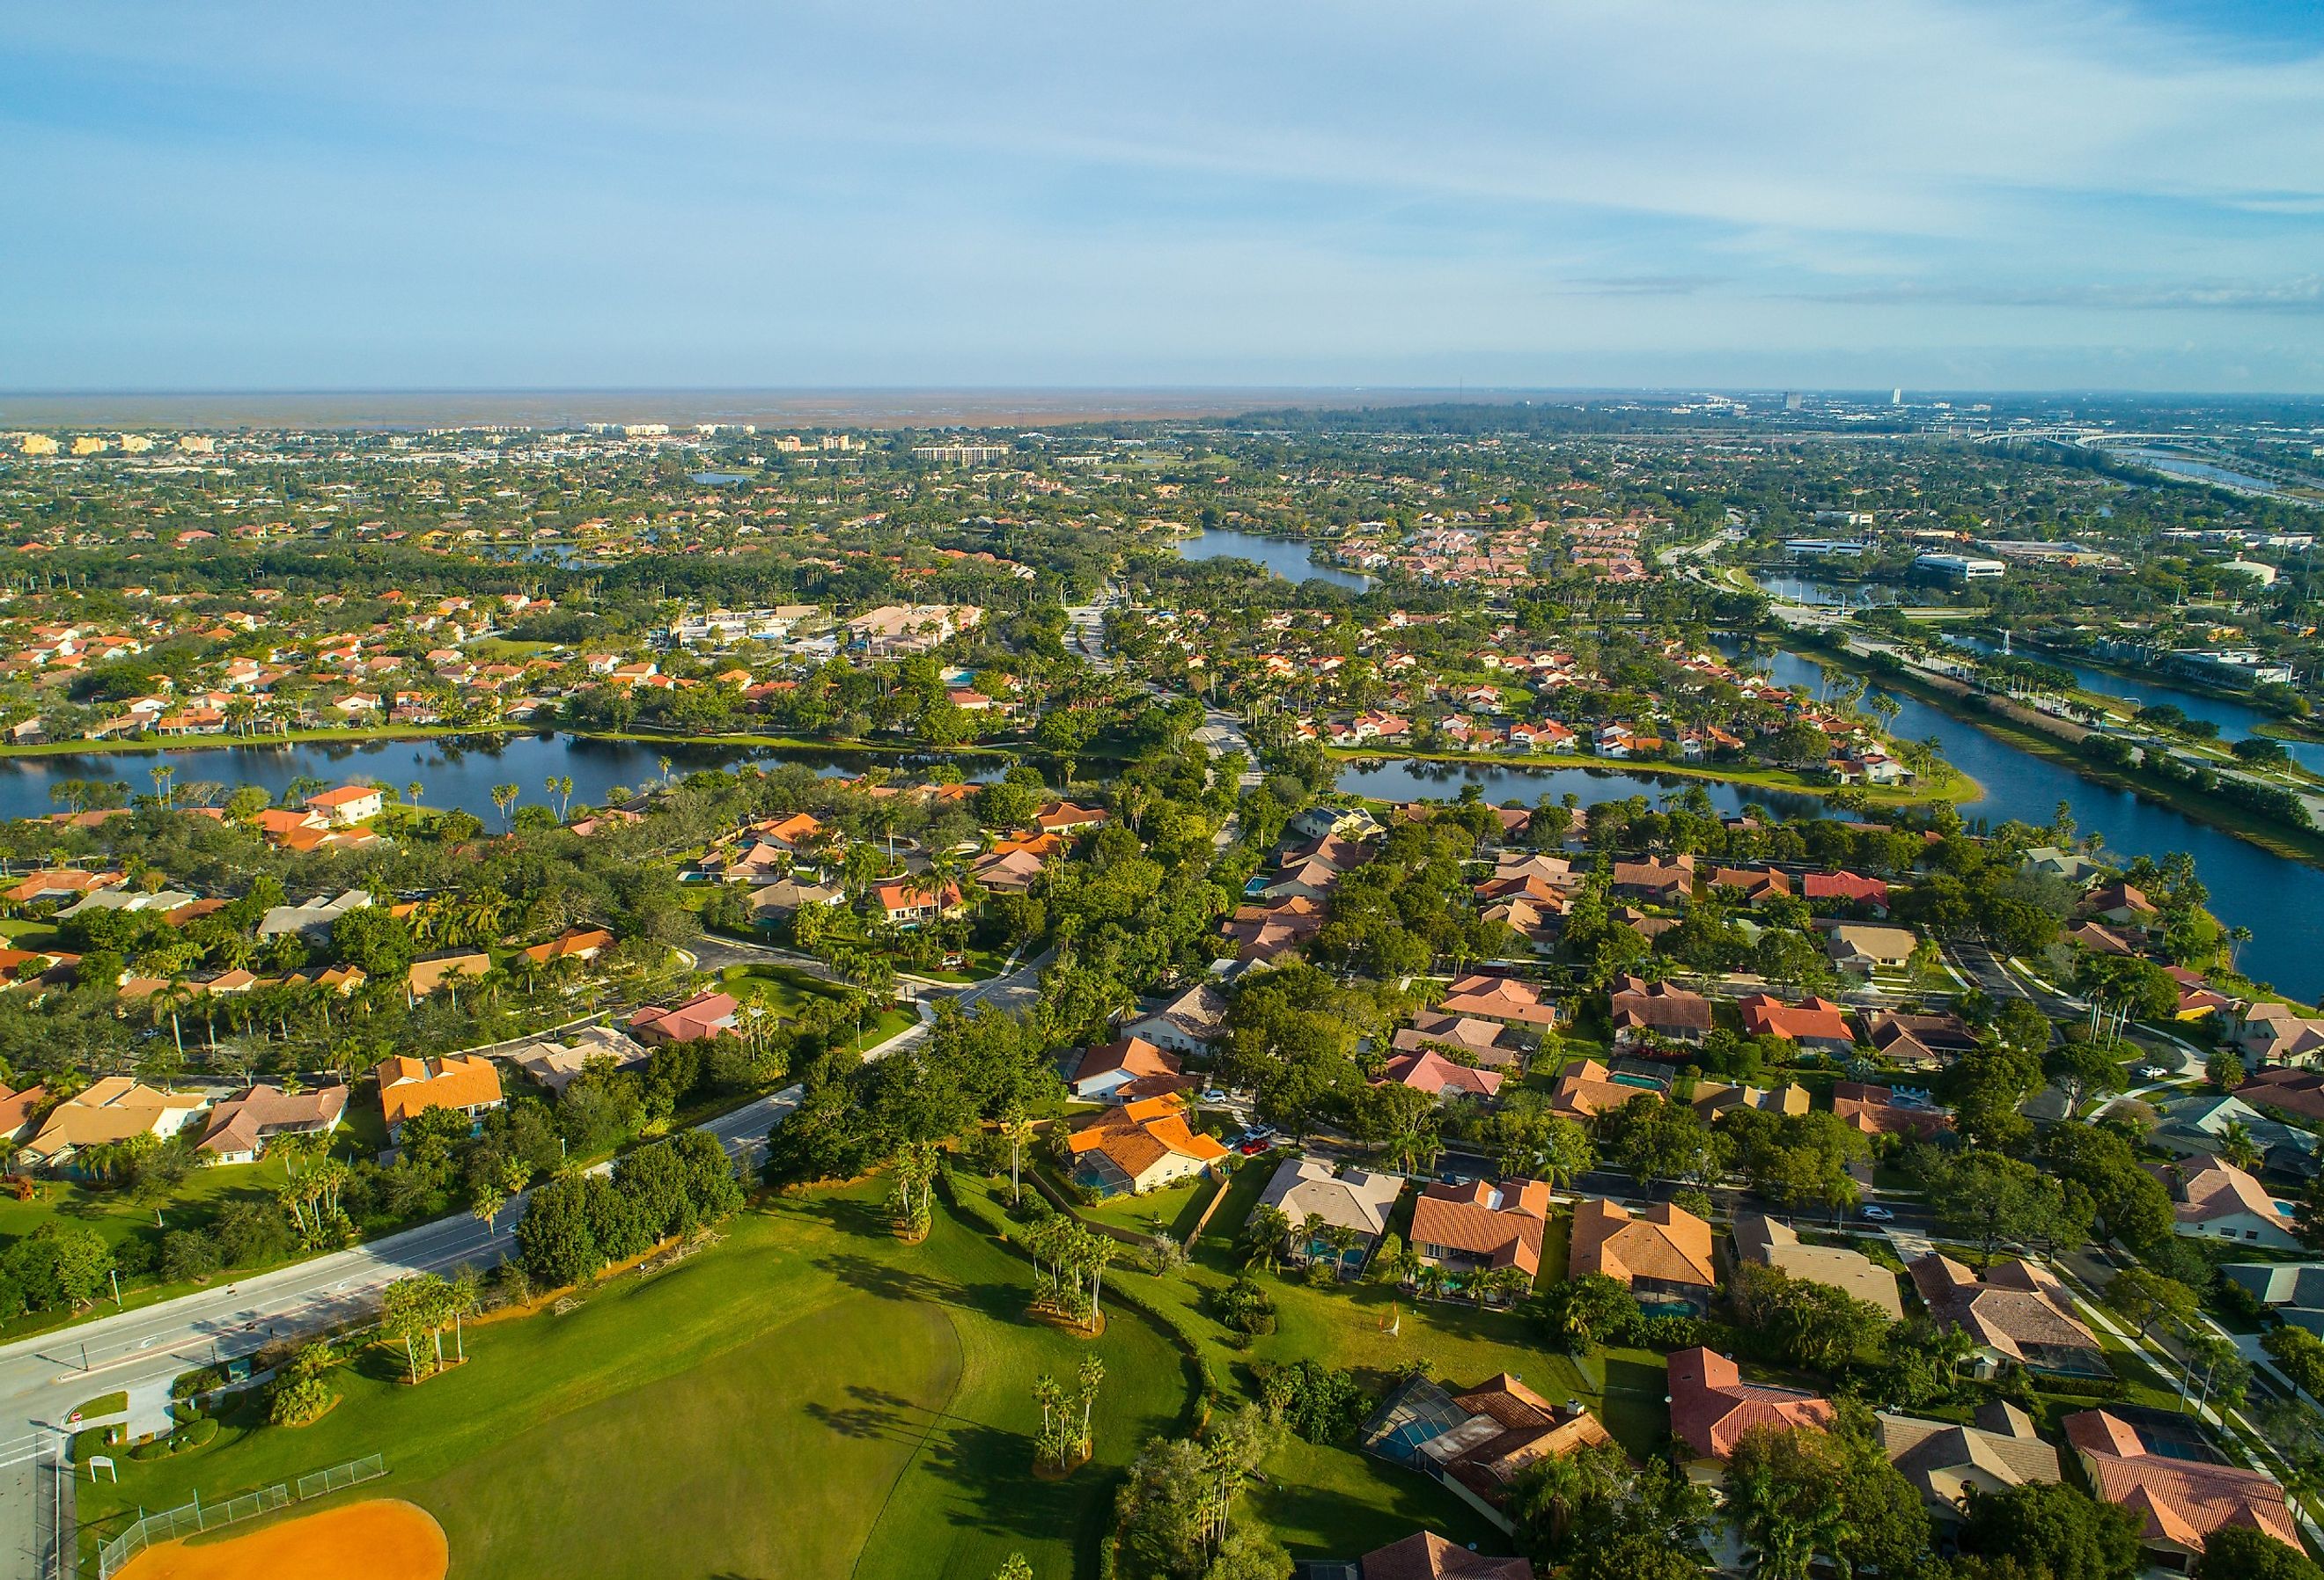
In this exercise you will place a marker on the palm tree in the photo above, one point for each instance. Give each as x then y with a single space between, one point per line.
1311 1230
1264 1234
162 773
1017 1131
2237 937
2238 1147
1342 1240
504 796
412 792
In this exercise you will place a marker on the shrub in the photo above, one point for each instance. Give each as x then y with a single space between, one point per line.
199 1381
1320 1404
297 1401
193 1434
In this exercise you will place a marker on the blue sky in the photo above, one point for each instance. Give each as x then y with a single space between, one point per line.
1824 193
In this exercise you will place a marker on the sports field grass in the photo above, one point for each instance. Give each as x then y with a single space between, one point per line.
810 1398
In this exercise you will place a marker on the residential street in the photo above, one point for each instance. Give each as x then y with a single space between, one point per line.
43 1378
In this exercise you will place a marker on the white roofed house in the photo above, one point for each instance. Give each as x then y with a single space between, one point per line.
1189 1023
2212 1199
1358 1200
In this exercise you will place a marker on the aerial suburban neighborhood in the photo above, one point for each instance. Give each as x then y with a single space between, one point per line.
1192 792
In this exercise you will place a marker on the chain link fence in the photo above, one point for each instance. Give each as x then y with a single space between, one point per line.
197 1516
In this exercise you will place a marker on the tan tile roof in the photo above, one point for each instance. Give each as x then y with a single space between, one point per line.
1665 1241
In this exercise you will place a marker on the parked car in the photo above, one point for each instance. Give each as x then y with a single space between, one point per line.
1254 1146
2152 1072
1876 1213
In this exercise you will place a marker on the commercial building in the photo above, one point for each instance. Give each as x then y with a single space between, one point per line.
1960 567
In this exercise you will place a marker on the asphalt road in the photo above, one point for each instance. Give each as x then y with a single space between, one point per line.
43 1379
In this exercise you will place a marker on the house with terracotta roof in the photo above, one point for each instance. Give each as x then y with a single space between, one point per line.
1141 1146
1426 1556
2122 904
60 884
1061 816
1500 999
1662 1255
1946 1461
1711 1407
1640 1009
1770 1243
1485 1043
1442 1078
408 1086
115 1109
2016 1312
1468 1228
705 1015
2296 1092
1587 1089
1752 884
1921 1041
1877 1111
2212 1199
1867 894
1818 1023
906 902
2181 1501
1479 1442
241 1127
17 1108
1126 1069
1665 882
583 944
347 805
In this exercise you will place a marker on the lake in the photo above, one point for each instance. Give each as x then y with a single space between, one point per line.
2234 719
456 770
1399 779
1284 557
2282 902
2179 465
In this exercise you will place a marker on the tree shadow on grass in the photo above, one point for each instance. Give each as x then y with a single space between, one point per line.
876 1414
1002 1302
995 1468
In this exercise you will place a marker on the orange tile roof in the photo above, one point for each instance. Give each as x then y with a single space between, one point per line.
409 1086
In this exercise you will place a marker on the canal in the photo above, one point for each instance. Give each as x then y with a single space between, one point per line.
2235 719
2282 902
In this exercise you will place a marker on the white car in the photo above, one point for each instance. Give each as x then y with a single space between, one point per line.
1876 1213
2152 1072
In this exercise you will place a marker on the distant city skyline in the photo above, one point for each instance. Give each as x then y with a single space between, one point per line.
2103 195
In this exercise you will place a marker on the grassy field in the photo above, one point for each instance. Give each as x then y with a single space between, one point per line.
813 1398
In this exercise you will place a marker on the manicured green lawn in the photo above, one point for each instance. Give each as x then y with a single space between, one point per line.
1332 1500
813 1398
1173 1211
